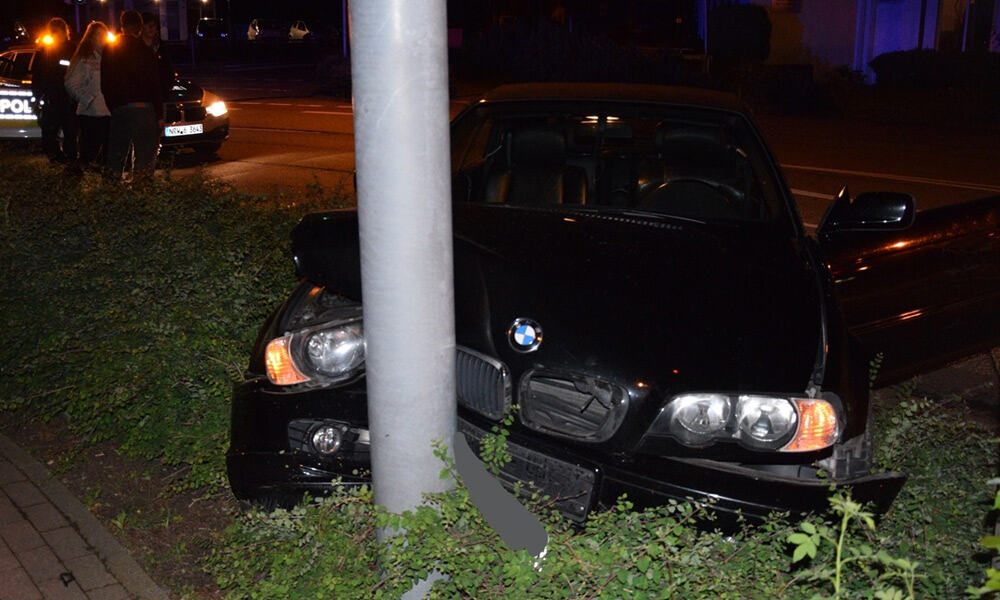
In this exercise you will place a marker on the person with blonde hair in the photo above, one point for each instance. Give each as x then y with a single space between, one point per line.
83 82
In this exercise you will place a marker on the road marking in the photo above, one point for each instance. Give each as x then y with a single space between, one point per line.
326 112
905 178
310 105
279 130
279 103
809 194
247 102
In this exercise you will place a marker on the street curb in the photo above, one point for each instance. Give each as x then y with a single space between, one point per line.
118 561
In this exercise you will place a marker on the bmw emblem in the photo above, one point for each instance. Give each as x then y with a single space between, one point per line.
524 335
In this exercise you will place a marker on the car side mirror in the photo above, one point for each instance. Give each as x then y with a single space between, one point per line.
871 211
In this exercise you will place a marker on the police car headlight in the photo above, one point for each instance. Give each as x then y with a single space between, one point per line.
217 109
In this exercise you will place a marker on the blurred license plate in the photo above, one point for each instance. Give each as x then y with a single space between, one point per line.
175 130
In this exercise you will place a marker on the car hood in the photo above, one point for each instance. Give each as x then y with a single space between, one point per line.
183 90
634 298
631 298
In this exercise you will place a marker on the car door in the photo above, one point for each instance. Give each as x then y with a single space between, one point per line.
926 295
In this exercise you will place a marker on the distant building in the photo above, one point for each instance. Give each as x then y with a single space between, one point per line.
832 33
176 16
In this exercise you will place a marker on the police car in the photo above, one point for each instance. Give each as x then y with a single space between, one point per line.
194 117
17 113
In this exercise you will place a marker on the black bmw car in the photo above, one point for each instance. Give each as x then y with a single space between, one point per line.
632 275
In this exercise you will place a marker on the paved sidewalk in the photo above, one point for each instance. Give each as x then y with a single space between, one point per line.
51 547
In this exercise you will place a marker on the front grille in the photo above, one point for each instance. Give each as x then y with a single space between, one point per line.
571 405
483 383
180 113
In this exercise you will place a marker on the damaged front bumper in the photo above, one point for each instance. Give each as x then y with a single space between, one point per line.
271 456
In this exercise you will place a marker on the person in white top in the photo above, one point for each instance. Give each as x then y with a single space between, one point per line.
83 82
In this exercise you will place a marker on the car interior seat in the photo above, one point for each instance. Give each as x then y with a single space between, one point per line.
535 171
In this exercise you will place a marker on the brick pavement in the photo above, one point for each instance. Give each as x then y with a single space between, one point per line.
51 547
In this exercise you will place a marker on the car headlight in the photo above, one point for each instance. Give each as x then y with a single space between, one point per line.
762 421
324 342
756 421
217 109
697 419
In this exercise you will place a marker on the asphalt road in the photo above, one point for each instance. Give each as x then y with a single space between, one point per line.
283 138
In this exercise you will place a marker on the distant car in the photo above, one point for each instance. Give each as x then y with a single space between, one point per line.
18 119
266 29
698 340
299 31
211 29
194 117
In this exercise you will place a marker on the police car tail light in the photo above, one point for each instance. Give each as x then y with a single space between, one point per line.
818 426
217 109
281 370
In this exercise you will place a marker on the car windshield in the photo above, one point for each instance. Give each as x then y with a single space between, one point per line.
694 163
211 26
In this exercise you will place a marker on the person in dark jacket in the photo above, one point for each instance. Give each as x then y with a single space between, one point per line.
151 36
57 109
131 87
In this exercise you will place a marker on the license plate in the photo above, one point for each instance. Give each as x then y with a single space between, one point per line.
570 487
176 130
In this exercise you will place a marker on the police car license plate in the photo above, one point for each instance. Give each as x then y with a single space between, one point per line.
176 130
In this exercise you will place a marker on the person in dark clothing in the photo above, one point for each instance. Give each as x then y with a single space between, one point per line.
151 35
131 88
57 109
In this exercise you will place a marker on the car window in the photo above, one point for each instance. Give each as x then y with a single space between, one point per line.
699 164
6 65
22 65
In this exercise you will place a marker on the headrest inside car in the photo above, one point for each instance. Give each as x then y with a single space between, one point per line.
690 142
538 147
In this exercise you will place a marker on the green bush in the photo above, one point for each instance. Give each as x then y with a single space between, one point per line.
933 69
132 312
926 547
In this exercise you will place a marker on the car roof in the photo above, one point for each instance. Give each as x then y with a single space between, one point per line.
615 92
20 48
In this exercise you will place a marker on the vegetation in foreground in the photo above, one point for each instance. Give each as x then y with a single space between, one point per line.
131 311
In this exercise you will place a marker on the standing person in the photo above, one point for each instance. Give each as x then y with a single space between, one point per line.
83 82
131 88
58 112
151 35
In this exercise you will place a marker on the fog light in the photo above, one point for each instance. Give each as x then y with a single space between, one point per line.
327 439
